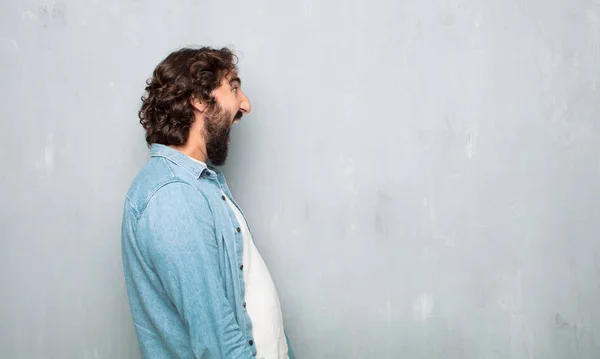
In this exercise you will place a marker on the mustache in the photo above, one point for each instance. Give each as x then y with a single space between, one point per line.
238 115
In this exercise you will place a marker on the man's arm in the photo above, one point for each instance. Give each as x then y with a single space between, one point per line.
182 248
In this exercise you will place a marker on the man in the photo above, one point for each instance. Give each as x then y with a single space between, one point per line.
197 286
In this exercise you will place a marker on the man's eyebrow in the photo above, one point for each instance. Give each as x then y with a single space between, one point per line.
236 79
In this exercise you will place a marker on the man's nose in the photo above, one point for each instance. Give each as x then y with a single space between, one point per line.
245 106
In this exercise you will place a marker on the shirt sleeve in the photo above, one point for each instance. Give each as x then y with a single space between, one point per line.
182 248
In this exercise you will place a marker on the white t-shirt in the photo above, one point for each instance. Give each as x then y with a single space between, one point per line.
262 301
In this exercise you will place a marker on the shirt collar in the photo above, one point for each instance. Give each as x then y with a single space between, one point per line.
196 168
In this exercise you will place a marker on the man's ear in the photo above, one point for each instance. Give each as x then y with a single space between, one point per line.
200 106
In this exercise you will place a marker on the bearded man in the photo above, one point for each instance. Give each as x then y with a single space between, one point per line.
196 283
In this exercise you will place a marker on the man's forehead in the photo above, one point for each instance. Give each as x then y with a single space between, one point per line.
233 76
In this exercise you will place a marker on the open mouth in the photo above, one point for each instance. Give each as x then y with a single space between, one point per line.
238 117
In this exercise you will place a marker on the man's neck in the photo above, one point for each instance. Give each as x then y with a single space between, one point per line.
195 146
194 151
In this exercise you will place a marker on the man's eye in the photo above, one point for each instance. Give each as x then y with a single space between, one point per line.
235 89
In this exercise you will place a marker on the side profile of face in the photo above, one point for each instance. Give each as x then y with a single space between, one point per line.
231 104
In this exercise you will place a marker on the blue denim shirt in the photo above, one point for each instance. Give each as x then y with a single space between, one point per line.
182 256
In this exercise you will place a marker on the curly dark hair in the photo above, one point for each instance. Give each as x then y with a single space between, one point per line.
166 113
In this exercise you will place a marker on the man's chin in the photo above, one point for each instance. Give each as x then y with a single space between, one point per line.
219 160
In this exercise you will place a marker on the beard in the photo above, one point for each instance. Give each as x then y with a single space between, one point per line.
217 125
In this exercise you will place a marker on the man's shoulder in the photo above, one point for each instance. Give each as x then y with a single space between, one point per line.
156 175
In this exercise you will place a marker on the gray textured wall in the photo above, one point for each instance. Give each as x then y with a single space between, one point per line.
422 176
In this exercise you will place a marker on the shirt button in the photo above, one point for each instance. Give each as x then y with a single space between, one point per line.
223 197
244 304
238 229
251 342
242 267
